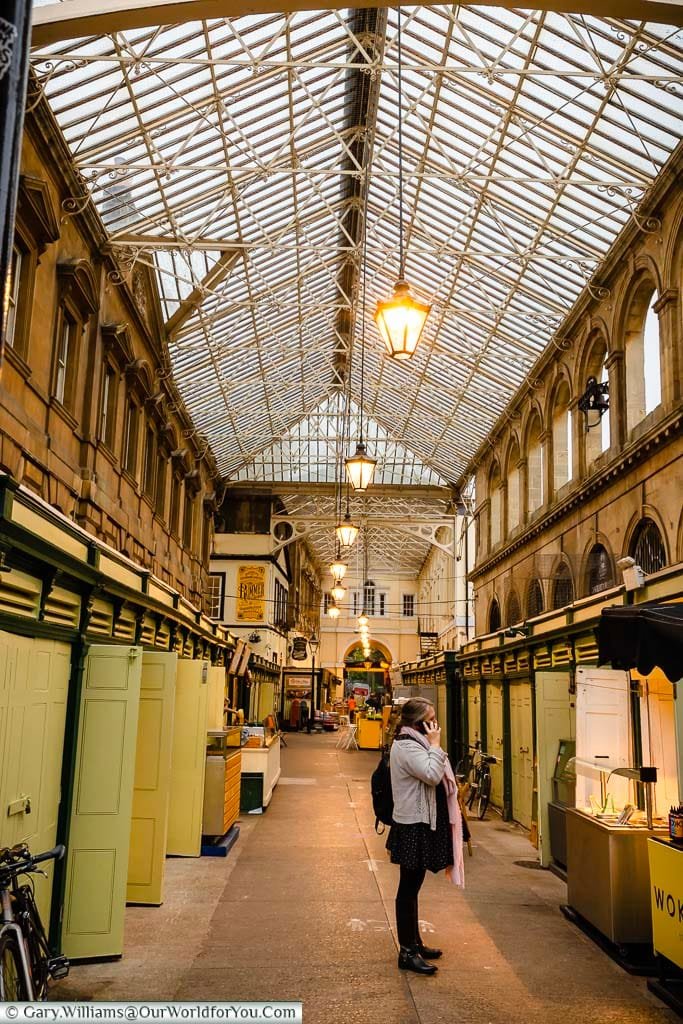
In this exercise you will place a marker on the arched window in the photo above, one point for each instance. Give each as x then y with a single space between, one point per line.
600 571
597 440
514 611
643 363
534 599
563 587
496 516
563 453
513 483
494 616
535 484
647 547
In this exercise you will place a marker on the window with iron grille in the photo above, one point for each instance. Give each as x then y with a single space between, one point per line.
534 600
514 611
563 587
600 569
647 547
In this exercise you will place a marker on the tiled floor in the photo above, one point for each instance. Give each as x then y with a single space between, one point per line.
302 908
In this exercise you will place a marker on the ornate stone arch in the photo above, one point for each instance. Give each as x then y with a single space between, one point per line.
494 619
534 599
646 279
562 584
598 569
513 608
592 354
672 260
563 376
637 525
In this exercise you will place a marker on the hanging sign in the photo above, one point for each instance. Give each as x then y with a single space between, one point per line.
299 648
251 593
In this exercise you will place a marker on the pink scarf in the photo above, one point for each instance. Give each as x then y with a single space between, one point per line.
456 872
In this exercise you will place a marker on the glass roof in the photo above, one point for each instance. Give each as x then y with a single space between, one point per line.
238 156
310 452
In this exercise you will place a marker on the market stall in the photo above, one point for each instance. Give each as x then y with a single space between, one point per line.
647 640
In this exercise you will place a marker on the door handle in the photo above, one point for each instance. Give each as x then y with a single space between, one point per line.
524 750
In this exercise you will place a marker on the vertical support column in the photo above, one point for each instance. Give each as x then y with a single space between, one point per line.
507 753
15 39
483 724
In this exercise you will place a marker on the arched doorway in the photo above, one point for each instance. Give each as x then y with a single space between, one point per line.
365 676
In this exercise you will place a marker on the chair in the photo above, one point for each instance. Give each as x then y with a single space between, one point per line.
347 734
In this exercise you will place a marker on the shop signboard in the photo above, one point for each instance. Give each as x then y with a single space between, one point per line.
666 893
251 593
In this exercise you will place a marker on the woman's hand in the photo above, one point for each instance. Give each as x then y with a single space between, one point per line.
433 733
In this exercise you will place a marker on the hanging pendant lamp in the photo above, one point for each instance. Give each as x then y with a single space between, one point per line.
338 592
338 569
360 467
346 531
333 611
363 620
401 319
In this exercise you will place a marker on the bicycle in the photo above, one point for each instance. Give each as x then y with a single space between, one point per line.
26 961
480 786
465 768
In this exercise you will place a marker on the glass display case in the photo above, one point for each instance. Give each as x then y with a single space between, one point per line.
608 881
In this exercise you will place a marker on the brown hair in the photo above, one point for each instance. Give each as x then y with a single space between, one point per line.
413 712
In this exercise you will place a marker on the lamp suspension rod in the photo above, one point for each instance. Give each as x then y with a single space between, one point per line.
401 267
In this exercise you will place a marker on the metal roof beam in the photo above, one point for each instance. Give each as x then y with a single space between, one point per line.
76 18
368 29
191 304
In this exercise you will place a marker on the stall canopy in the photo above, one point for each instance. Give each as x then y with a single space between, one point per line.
643 636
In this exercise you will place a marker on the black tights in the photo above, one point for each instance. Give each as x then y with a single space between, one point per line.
406 905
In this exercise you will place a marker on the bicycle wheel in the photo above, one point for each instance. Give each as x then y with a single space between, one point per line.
474 789
12 982
36 940
484 796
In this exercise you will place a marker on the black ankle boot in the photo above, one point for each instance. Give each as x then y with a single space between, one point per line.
409 959
427 953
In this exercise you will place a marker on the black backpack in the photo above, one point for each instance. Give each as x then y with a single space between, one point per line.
382 797
380 787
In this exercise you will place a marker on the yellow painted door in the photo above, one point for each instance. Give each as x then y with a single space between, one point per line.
188 759
474 712
99 833
214 716
494 739
152 788
521 752
34 682
555 721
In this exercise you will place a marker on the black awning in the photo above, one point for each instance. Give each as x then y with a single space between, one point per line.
644 637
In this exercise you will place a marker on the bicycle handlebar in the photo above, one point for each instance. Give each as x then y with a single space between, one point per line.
19 867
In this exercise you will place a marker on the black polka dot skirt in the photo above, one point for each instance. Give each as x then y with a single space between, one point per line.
418 847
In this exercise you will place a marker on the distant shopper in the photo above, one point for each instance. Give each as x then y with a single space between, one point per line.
427 830
303 714
352 708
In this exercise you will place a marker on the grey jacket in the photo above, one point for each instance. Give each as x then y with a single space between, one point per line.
415 773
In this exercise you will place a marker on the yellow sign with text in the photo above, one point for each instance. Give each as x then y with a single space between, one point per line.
666 891
251 593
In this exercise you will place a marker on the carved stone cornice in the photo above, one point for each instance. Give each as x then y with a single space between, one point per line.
665 299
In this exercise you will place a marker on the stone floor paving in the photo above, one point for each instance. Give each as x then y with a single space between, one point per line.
302 908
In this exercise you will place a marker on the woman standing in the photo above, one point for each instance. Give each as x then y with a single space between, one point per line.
427 830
